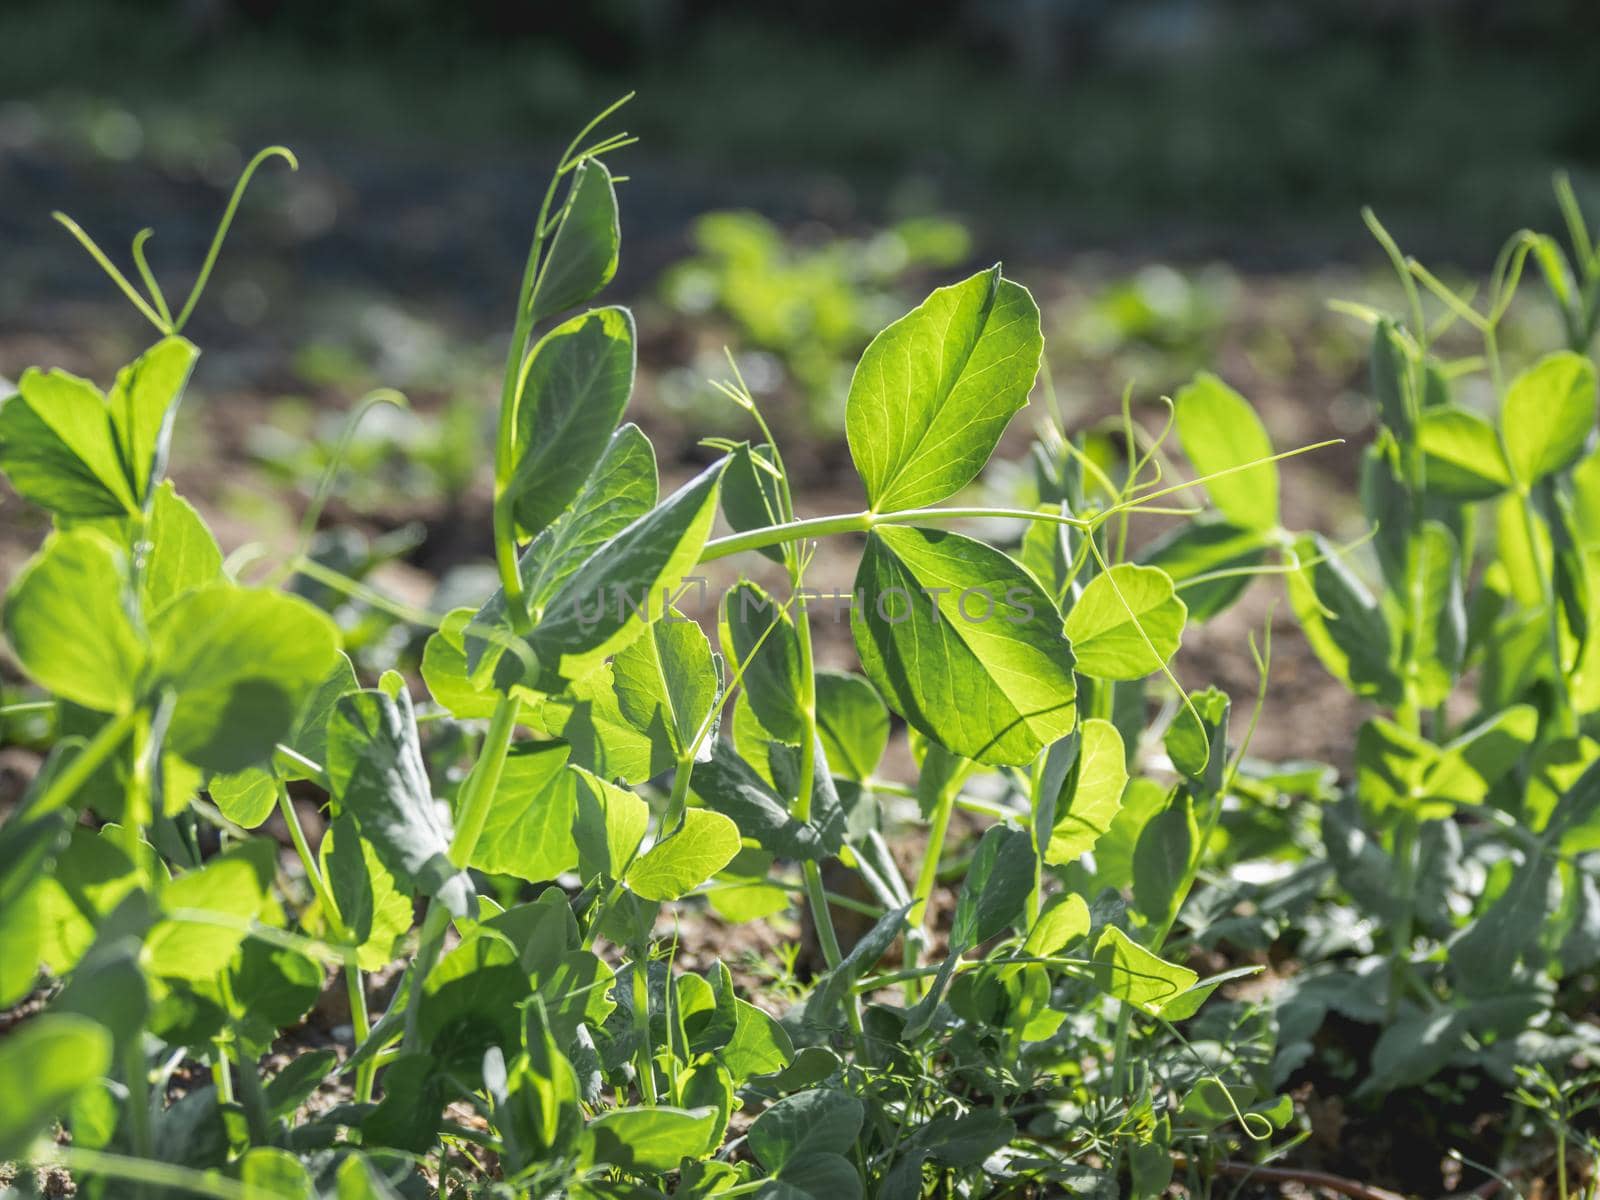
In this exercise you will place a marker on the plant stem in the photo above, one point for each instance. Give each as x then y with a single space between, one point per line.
88 760
136 1074
360 1020
641 1024
478 795
916 918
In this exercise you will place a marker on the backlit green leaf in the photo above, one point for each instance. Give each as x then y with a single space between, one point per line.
597 609
528 832
675 866
963 644
852 723
1126 970
65 622
934 391
666 681
1220 431
583 255
43 1064
759 637
1462 454
240 661
1091 794
1127 623
575 387
1547 415
58 447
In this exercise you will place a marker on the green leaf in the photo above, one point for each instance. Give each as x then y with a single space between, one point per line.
771 673
446 664
273 1174
583 255
1161 858
820 1175
183 555
1064 920
1461 454
676 865
1391 378
246 797
65 622
528 832
1342 622
240 661
596 610
1130 973
998 881
375 912
143 403
1546 416
575 387
731 786
1197 739
818 1121
666 681
759 1045
1438 614
609 826
750 497
647 1141
963 644
235 885
1484 958
852 724
1105 624
376 771
620 490
934 391
1220 431
43 1064
589 719
1090 796
59 449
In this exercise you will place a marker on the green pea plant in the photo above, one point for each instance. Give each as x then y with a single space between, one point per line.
495 887
1465 840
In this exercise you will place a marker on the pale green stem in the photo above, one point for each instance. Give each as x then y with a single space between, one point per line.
360 1020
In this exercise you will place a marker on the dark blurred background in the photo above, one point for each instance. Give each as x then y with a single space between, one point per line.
1178 181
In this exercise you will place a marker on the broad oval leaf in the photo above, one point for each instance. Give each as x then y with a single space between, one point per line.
575 387
44 1063
240 662
964 644
143 402
583 255
1342 621
819 1121
65 622
852 724
1126 970
528 832
1091 795
1127 623
1461 454
647 1140
1220 431
377 775
600 607
667 682
1547 414
621 489
58 447
759 640
934 391
183 554
672 868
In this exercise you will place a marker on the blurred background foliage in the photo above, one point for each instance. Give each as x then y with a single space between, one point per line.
1178 181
